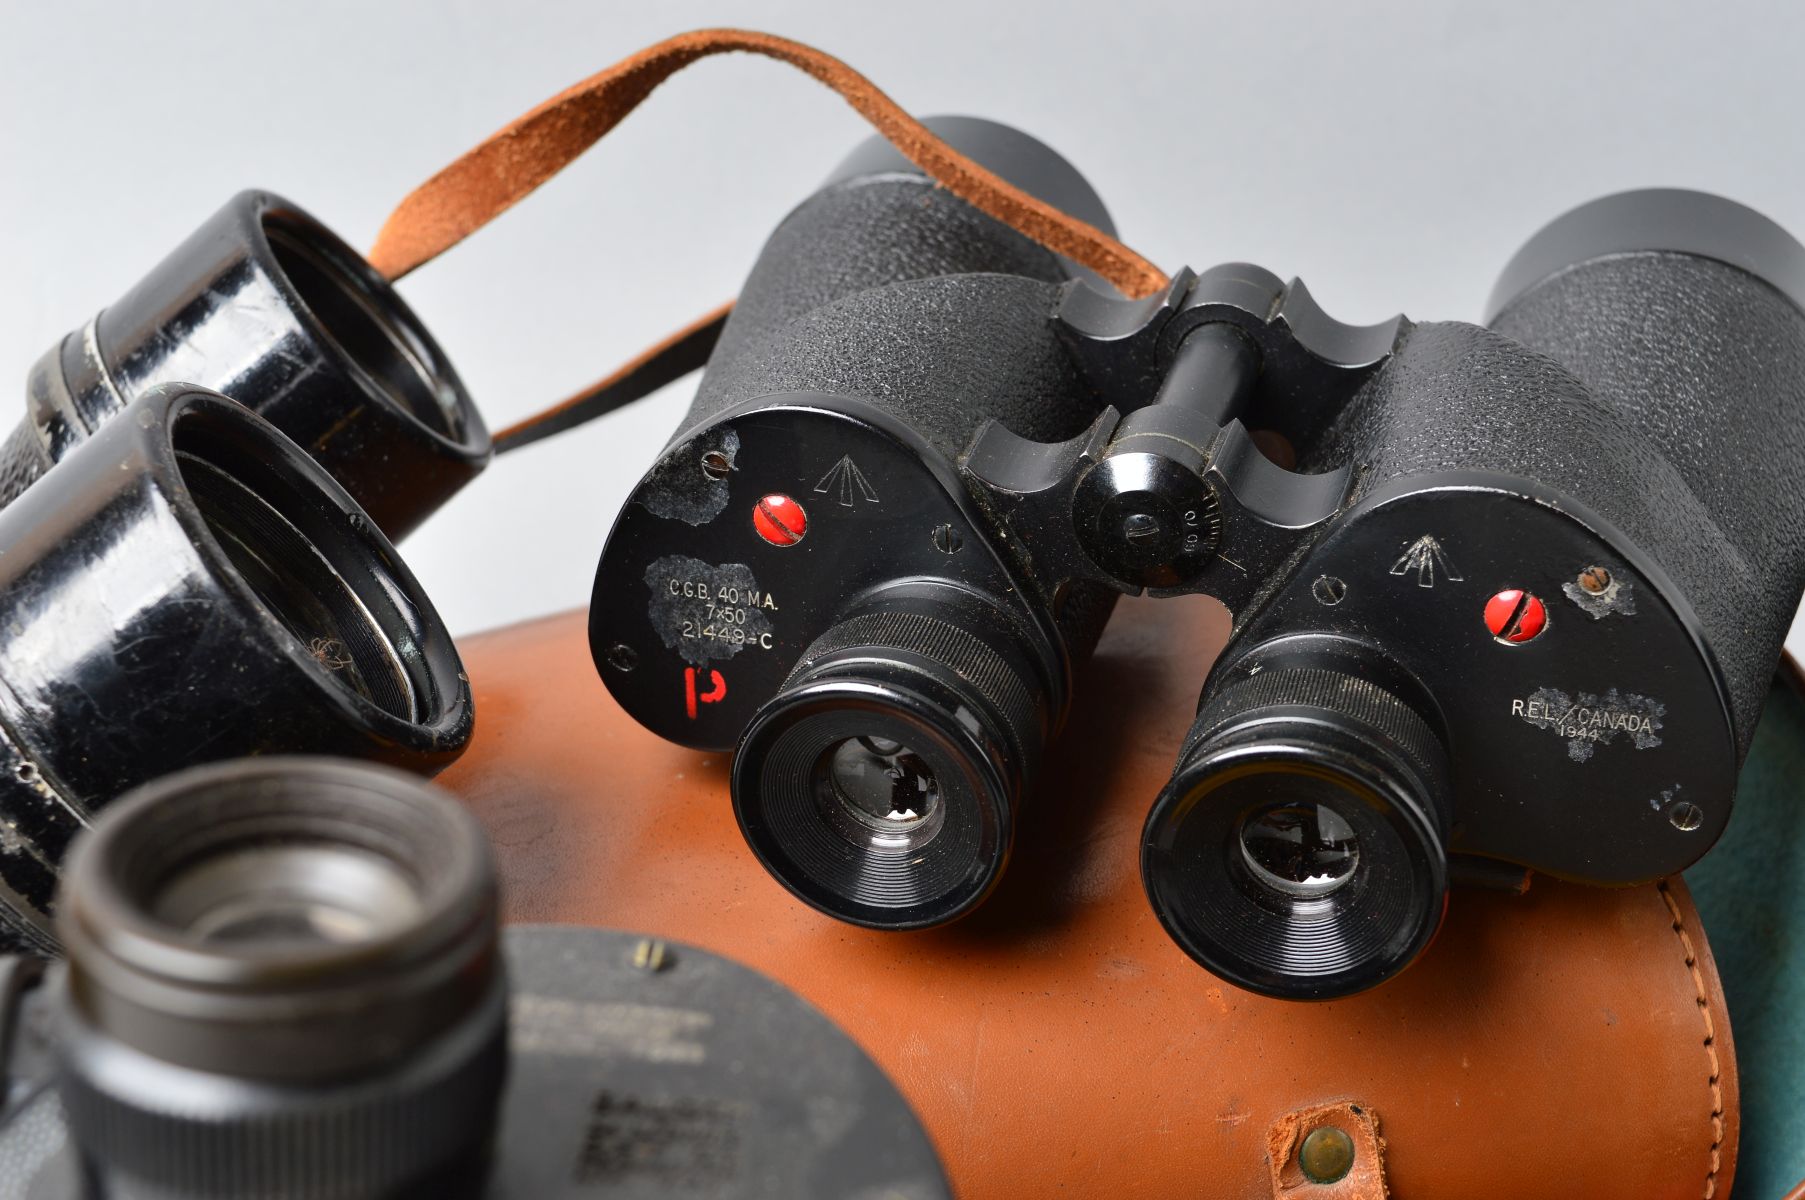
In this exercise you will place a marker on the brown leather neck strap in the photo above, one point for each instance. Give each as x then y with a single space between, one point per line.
663 363
509 164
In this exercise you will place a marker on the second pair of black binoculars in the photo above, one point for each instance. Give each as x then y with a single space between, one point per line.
1510 592
195 546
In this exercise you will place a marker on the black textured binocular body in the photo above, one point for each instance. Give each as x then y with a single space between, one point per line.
285 977
1510 592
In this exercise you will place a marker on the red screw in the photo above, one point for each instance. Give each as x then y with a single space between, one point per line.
1514 615
780 520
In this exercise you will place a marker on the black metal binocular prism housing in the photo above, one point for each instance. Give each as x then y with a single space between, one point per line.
1518 597
285 977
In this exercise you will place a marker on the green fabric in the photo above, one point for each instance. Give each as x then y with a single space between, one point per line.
1750 891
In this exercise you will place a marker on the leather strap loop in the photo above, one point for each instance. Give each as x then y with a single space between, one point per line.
666 362
509 164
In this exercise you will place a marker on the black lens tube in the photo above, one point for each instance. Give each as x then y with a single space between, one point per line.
283 981
188 586
266 305
881 783
1300 848
1654 221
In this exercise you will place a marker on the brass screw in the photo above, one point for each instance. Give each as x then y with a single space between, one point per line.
1327 1155
716 465
651 956
1594 580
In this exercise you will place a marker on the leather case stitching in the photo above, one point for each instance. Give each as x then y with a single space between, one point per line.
1704 1009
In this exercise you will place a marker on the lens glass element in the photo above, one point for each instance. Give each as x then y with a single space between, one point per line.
1307 850
1288 876
308 571
292 893
378 341
887 788
869 812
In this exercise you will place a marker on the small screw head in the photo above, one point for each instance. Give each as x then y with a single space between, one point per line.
622 657
1327 1155
1138 527
651 956
780 520
716 465
1594 580
1329 591
1685 816
947 540
1514 616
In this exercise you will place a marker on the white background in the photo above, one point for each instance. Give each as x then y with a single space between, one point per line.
1393 155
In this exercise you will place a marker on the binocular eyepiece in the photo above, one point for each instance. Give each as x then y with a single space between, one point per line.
284 979
1301 848
880 782
1504 593
889 724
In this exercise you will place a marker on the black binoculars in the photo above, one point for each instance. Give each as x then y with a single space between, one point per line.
1501 593
285 977
1511 592
185 577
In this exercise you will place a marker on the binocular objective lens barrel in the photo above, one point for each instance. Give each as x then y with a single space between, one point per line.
283 980
263 535
189 586
880 783
1300 848
267 306
362 315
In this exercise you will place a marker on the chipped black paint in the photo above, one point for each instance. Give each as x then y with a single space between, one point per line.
708 613
678 489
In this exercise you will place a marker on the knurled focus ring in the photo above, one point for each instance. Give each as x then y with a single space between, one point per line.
984 671
1358 700
321 1142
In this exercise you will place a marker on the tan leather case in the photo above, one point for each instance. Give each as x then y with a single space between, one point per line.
1569 1042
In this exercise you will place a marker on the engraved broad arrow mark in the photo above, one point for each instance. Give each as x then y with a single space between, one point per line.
851 482
1423 556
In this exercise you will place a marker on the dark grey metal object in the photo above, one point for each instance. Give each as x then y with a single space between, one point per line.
701 1078
285 980
282 980
1183 459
